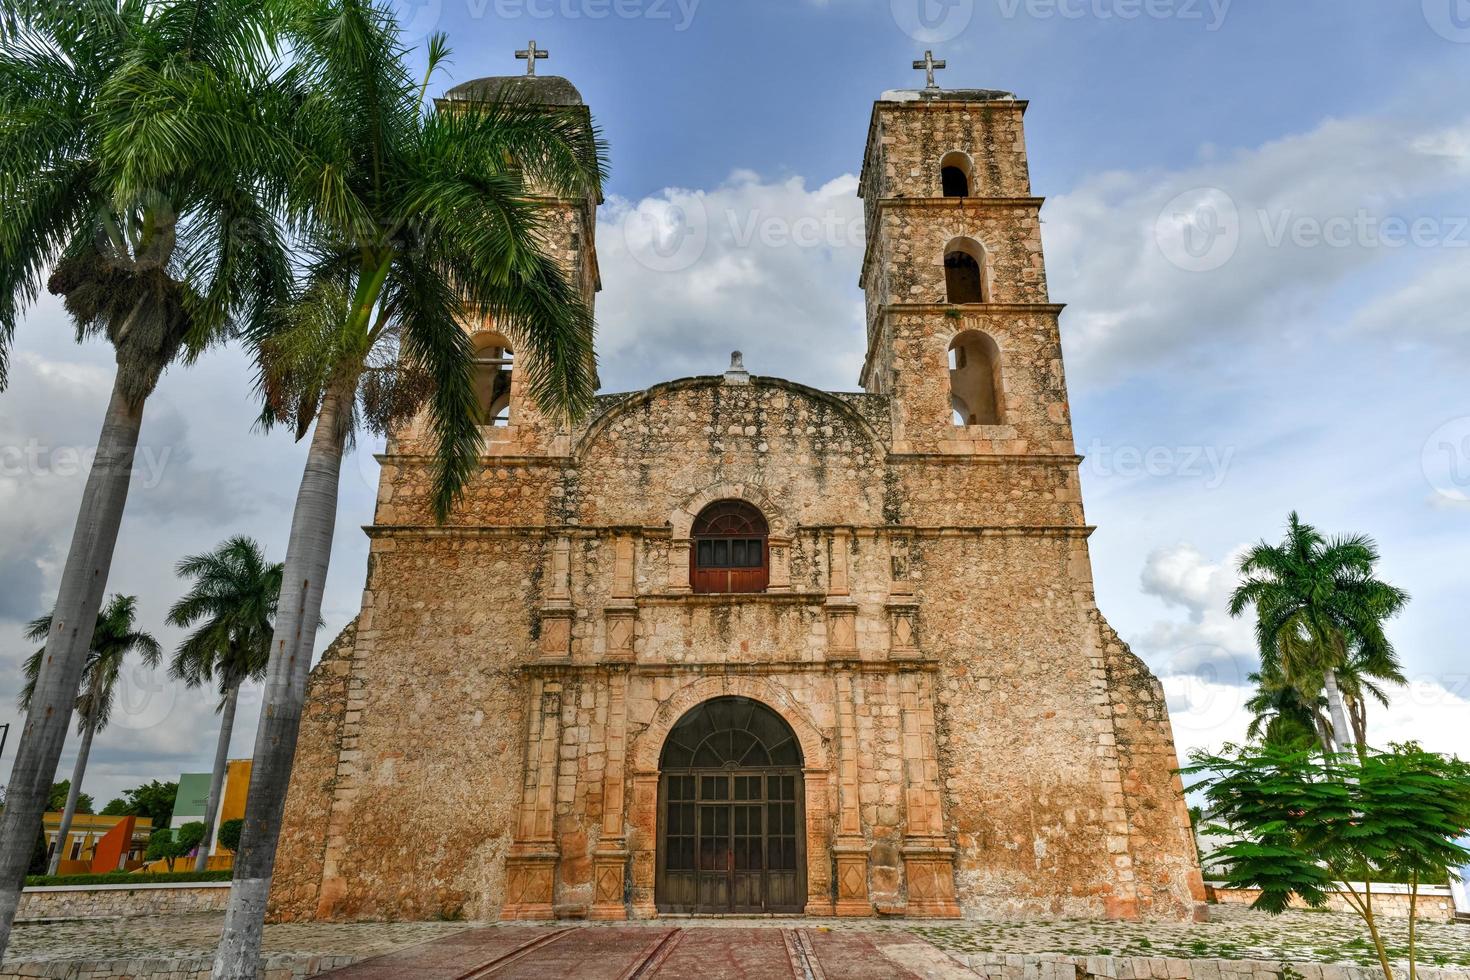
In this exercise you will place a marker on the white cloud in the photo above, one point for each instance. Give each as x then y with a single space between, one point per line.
1272 229
768 267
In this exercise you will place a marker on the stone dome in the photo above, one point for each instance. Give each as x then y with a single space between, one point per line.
537 89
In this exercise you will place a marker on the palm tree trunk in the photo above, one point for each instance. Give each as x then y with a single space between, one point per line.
68 814
1340 727
78 600
217 779
297 617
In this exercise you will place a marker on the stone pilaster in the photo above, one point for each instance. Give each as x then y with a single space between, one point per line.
850 850
841 609
621 613
780 556
643 844
928 857
530 870
610 859
556 609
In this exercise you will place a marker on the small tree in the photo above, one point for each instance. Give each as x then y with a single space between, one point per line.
189 836
1298 822
161 847
229 834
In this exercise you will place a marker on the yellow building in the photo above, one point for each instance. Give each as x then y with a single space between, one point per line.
87 830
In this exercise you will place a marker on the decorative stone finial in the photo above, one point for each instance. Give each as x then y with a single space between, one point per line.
737 375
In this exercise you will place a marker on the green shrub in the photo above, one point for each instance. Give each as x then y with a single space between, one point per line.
123 878
229 834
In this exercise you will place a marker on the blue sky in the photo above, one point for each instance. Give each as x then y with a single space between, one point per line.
1307 360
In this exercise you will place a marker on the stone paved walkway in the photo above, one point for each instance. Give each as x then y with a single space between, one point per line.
1235 933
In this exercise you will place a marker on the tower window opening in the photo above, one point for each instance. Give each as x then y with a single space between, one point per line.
964 271
975 380
955 172
494 365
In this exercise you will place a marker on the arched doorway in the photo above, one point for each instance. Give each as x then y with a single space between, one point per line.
731 827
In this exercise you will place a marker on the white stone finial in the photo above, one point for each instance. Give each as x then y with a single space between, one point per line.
737 375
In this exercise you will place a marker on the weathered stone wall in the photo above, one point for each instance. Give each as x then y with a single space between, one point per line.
1435 904
296 883
908 141
110 901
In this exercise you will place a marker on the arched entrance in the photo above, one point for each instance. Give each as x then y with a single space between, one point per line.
731 826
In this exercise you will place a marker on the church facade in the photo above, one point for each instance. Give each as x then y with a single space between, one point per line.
734 645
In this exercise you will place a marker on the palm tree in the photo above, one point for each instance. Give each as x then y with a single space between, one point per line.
112 640
419 223
137 141
1282 717
1320 614
233 599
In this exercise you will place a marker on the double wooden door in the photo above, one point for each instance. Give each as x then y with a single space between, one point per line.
731 842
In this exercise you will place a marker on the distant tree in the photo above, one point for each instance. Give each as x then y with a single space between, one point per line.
229 834
1319 620
1282 716
1301 823
60 791
116 807
153 799
231 603
189 836
113 638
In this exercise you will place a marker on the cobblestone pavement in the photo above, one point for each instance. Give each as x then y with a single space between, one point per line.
1235 933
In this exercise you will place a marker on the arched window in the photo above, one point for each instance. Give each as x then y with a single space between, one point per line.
494 364
964 271
975 391
729 552
955 174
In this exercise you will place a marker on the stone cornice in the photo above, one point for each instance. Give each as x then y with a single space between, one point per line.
425 532
649 668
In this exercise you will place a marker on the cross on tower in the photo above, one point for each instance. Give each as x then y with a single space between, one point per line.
928 66
533 54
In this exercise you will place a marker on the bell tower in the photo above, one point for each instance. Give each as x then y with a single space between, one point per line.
961 334
512 425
